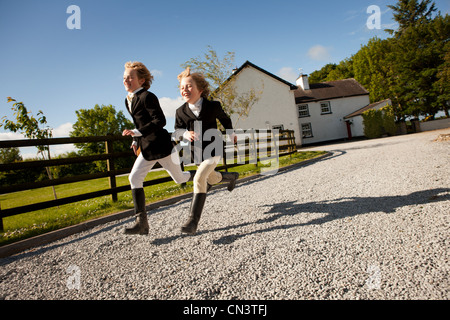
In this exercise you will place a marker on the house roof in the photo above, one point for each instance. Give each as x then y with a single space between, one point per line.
375 105
249 64
330 90
318 91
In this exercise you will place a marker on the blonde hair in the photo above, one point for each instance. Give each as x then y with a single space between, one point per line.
200 81
142 72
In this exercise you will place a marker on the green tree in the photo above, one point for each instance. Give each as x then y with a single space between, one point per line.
372 67
411 13
344 70
218 73
101 121
412 68
30 127
322 74
10 155
419 65
442 85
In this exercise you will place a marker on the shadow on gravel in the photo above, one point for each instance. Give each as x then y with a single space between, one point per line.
335 209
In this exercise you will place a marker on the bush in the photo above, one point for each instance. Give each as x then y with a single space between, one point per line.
372 121
389 125
379 122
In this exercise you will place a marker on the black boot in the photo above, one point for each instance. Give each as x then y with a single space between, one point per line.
198 201
192 172
141 225
230 177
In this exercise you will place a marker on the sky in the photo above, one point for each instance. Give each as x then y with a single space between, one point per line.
51 66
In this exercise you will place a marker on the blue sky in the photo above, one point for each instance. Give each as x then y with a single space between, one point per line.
59 70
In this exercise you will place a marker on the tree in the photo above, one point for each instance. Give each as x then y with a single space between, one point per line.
418 65
10 155
344 70
443 84
29 126
412 68
218 73
101 121
411 13
372 67
322 74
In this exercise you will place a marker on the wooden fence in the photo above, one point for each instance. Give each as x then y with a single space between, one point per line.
255 146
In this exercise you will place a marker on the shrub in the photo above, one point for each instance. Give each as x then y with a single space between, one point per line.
379 122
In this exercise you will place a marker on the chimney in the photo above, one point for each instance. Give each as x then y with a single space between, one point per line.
302 81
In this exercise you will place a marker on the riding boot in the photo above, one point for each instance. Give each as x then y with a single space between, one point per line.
141 224
198 201
230 177
192 172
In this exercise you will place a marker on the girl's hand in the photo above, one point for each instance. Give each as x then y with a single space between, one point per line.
127 132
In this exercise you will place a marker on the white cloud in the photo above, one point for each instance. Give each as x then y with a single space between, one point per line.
156 73
169 105
288 74
319 53
62 131
11 136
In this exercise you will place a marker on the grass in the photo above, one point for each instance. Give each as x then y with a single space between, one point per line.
30 224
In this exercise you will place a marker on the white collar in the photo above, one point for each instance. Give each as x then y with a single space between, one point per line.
135 91
197 104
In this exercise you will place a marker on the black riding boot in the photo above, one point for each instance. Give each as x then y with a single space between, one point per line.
230 177
198 201
141 225
192 172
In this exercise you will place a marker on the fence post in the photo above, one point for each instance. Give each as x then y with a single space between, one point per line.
254 145
274 141
1 219
110 168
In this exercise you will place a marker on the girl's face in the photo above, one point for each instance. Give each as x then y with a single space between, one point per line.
189 90
131 80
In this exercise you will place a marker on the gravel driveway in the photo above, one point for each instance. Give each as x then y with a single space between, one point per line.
371 221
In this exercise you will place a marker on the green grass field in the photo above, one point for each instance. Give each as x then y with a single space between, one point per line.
30 224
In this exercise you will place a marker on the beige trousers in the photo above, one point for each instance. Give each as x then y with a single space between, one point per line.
171 163
206 174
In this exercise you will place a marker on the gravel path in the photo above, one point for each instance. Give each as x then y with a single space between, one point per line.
369 222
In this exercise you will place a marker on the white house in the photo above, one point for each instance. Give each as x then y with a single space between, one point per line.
355 118
315 112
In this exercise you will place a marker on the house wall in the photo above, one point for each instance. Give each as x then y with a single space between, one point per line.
276 105
331 126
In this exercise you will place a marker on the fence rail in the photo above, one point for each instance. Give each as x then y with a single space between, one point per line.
255 141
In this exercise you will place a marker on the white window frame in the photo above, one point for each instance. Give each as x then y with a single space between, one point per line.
305 111
279 127
325 107
306 130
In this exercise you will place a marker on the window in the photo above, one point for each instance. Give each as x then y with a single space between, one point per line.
306 130
303 110
278 127
325 107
